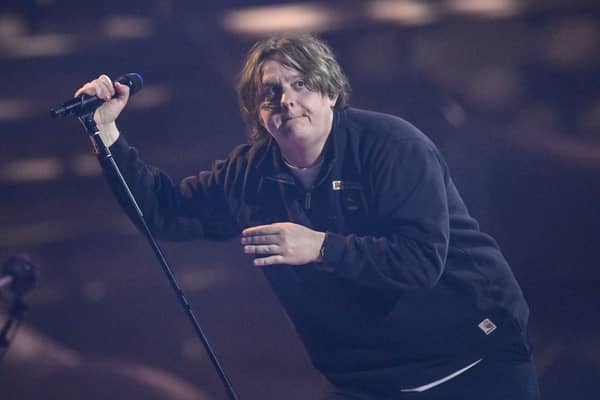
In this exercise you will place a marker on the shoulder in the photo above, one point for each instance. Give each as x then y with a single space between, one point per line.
248 152
395 155
376 134
382 126
242 158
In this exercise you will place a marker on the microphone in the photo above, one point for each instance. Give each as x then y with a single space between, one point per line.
20 273
85 104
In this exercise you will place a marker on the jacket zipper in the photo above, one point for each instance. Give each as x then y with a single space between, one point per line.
307 199
307 195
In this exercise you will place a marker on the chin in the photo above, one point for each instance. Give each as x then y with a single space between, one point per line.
297 134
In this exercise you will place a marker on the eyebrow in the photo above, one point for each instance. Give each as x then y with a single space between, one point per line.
272 82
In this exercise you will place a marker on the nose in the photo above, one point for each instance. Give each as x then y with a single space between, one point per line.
287 99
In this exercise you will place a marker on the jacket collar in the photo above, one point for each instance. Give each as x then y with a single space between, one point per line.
277 171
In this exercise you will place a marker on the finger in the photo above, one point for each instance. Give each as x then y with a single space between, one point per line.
107 91
263 249
271 260
272 229
89 88
98 87
261 239
122 90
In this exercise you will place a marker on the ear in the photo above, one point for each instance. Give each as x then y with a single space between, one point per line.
332 100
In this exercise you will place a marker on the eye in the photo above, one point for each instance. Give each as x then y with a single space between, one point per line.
299 84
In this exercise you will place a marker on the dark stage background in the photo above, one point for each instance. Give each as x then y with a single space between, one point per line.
509 90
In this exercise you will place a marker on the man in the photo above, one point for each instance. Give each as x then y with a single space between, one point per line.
359 229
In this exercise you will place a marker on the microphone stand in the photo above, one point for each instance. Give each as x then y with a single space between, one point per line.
15 315
20 274
104 153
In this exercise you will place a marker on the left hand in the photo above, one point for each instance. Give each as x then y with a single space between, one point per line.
284 242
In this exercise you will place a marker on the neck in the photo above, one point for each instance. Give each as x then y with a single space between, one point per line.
303 165
302 156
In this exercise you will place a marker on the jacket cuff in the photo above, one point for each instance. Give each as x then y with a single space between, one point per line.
120 145
331 252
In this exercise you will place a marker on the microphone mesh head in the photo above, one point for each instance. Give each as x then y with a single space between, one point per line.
23 272
133 80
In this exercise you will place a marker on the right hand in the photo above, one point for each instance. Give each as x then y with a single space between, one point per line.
103 88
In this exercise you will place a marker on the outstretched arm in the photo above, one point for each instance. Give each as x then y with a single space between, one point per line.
195 208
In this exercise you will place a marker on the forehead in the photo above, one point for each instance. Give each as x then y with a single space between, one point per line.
273 71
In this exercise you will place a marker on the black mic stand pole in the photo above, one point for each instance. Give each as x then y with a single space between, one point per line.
15 315
103 152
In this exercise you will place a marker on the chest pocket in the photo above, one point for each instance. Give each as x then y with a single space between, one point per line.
353 206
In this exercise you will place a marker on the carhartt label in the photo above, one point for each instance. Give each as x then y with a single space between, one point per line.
337 185
487 326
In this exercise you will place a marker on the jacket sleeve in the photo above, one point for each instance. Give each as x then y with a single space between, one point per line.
194 209
408 180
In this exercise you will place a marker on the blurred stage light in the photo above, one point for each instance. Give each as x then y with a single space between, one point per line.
14 109
128 27
85 165
16 42
151 97
404 12
39 45
494 88
31 170
31 234
571 41
11 25
195 279
485 8
455 114
265 20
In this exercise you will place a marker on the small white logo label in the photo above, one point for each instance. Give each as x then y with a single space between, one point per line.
487 326
337 185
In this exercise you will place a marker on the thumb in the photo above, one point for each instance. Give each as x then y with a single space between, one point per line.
122 91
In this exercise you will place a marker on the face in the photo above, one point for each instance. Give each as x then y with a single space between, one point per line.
291 112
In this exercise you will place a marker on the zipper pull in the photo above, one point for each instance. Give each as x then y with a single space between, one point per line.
307 197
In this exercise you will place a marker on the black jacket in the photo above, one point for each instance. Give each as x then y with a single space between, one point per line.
407 276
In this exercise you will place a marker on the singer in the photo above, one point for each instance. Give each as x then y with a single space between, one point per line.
357 225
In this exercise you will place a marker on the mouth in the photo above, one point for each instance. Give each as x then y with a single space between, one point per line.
289 118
